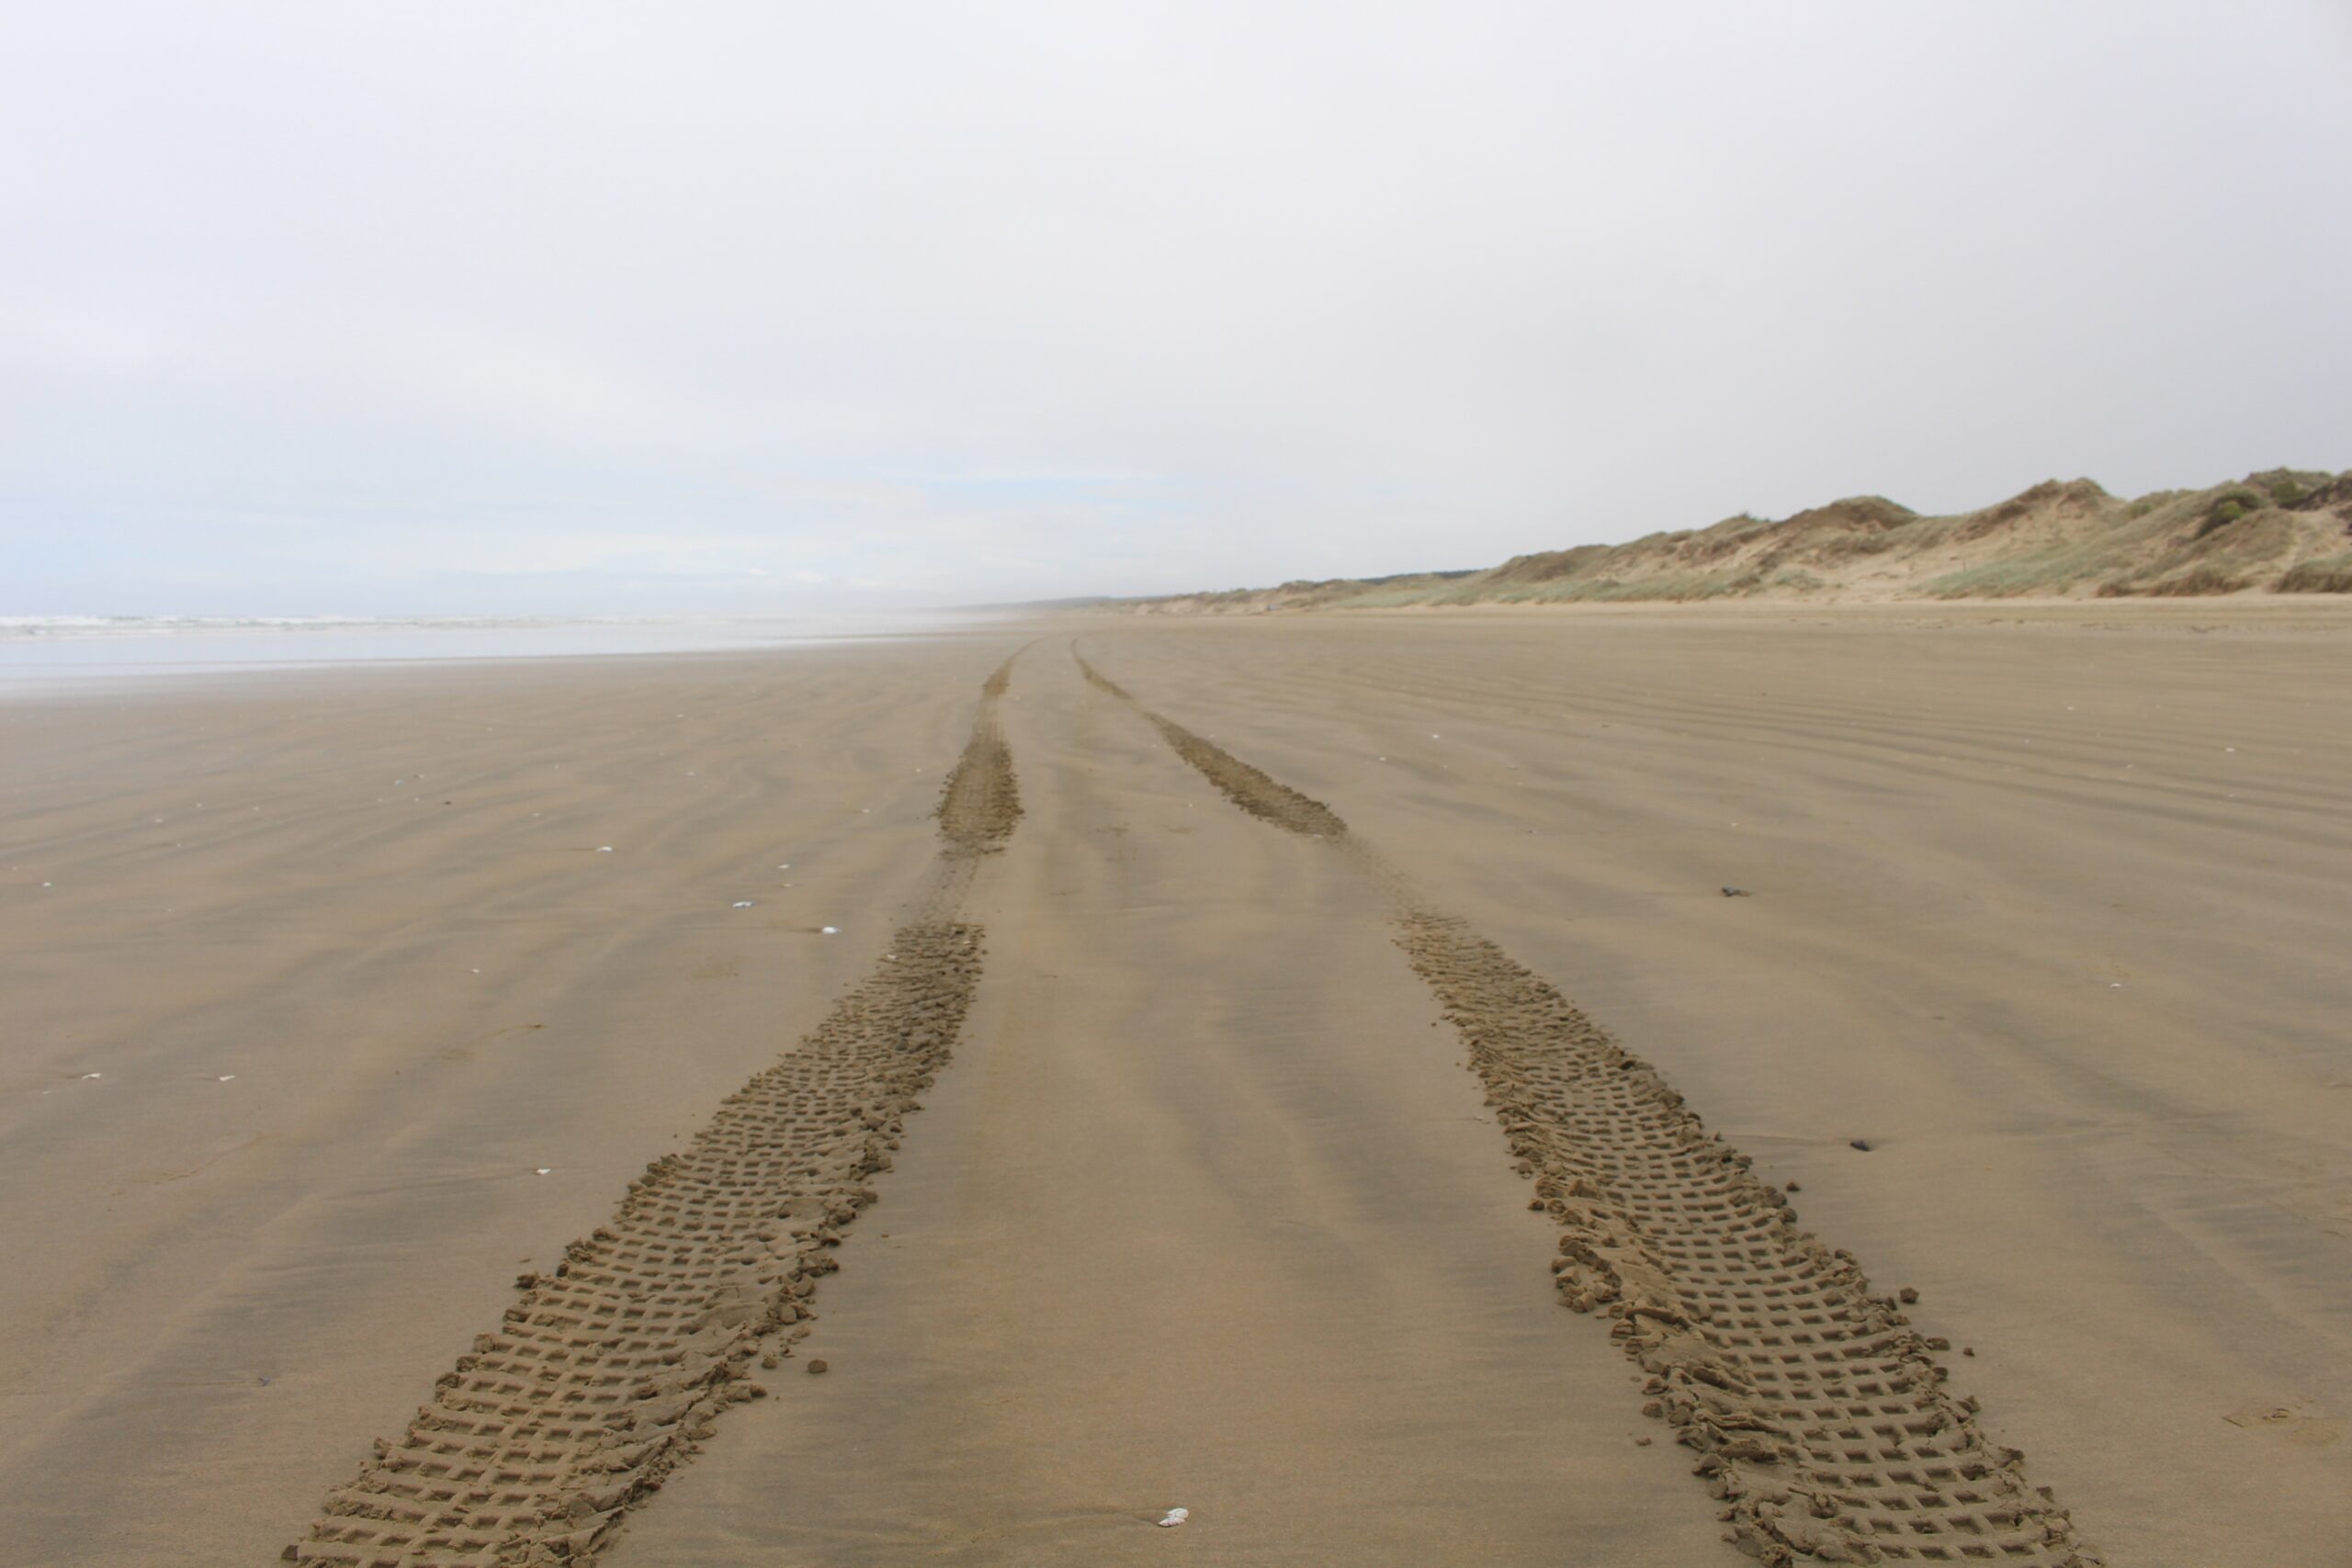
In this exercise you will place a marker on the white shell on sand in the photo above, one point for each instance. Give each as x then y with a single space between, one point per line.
1175 1516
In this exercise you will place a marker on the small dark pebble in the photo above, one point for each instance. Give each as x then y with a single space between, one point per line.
1735 891
1906 1295
1861 1144
1794 1188
1968 1349
815 1366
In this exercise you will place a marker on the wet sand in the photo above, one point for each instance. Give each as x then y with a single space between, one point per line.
1204 1210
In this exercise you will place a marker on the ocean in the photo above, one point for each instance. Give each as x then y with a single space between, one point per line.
45 653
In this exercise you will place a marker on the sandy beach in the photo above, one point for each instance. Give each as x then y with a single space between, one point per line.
409 1065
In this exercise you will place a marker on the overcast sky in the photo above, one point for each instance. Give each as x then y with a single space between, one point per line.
490 308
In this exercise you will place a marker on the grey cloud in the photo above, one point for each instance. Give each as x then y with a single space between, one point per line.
384 309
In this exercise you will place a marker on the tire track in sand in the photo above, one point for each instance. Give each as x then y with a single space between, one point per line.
981 802
1239 782
609 1370
1819 1416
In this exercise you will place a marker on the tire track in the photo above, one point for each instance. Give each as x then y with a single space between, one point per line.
609 1370
1239 782
980 802
1820 1418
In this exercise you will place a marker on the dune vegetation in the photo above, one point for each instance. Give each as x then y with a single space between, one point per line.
2284 531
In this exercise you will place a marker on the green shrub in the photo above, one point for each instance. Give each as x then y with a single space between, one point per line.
2228 509
2196 581
2331 575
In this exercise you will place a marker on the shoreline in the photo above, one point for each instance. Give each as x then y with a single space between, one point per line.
41 666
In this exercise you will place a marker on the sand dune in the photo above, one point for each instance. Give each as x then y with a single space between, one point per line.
2286 531
1275 991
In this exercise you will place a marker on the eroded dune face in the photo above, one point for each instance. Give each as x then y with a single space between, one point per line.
2286 531
1257 1038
